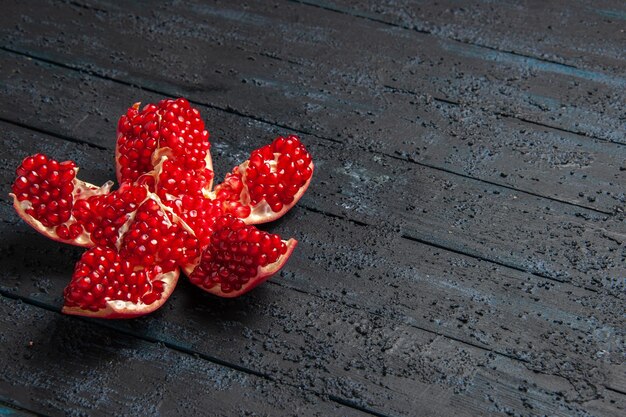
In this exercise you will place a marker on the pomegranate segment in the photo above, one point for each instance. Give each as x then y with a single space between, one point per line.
106 285
199 213
268 184
174 181
45 194
169 129
104 216
238 258
153 235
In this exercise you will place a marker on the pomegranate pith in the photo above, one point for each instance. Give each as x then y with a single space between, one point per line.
164 216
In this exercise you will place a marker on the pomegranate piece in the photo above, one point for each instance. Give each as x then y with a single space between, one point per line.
154 235
267 185
106 285
106 217
170 129
238 258
45 194
198 213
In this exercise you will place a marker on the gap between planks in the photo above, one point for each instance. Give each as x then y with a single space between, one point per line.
187 351
508 115
230 110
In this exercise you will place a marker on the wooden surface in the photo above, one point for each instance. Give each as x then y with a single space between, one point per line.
462 245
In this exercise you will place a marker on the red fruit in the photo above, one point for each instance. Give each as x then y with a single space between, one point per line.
268 184
155 236
106 217
106 285
46 193
164 215
170 129
238 258
199 213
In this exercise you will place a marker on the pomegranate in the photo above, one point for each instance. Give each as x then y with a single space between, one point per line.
164 216
46 193
104 284
170 129
267 185
238 258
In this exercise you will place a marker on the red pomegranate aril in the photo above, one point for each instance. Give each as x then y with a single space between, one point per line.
102 280
63 231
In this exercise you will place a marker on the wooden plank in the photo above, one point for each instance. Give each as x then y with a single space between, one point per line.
311 91
416 305
577 33
547 238
61 366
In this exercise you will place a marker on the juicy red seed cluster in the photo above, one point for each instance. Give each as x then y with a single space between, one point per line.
69 232
103 215
277 172
182 128
138 136
229 193
48 186
170 123
199 213
234 255
153 237
102 275
174 181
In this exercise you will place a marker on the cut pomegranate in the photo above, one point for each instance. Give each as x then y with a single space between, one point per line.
106 217
171 129
106 285
268 184
154 235
238 258
45 194
164 216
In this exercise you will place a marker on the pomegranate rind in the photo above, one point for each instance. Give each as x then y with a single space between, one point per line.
263 274
118 309
83 190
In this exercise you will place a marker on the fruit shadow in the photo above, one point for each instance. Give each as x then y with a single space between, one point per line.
207 309
78 349
31 262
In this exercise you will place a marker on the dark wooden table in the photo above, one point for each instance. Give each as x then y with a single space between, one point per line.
462 246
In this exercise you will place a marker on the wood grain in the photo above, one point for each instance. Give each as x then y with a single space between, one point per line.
472 122
584 34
